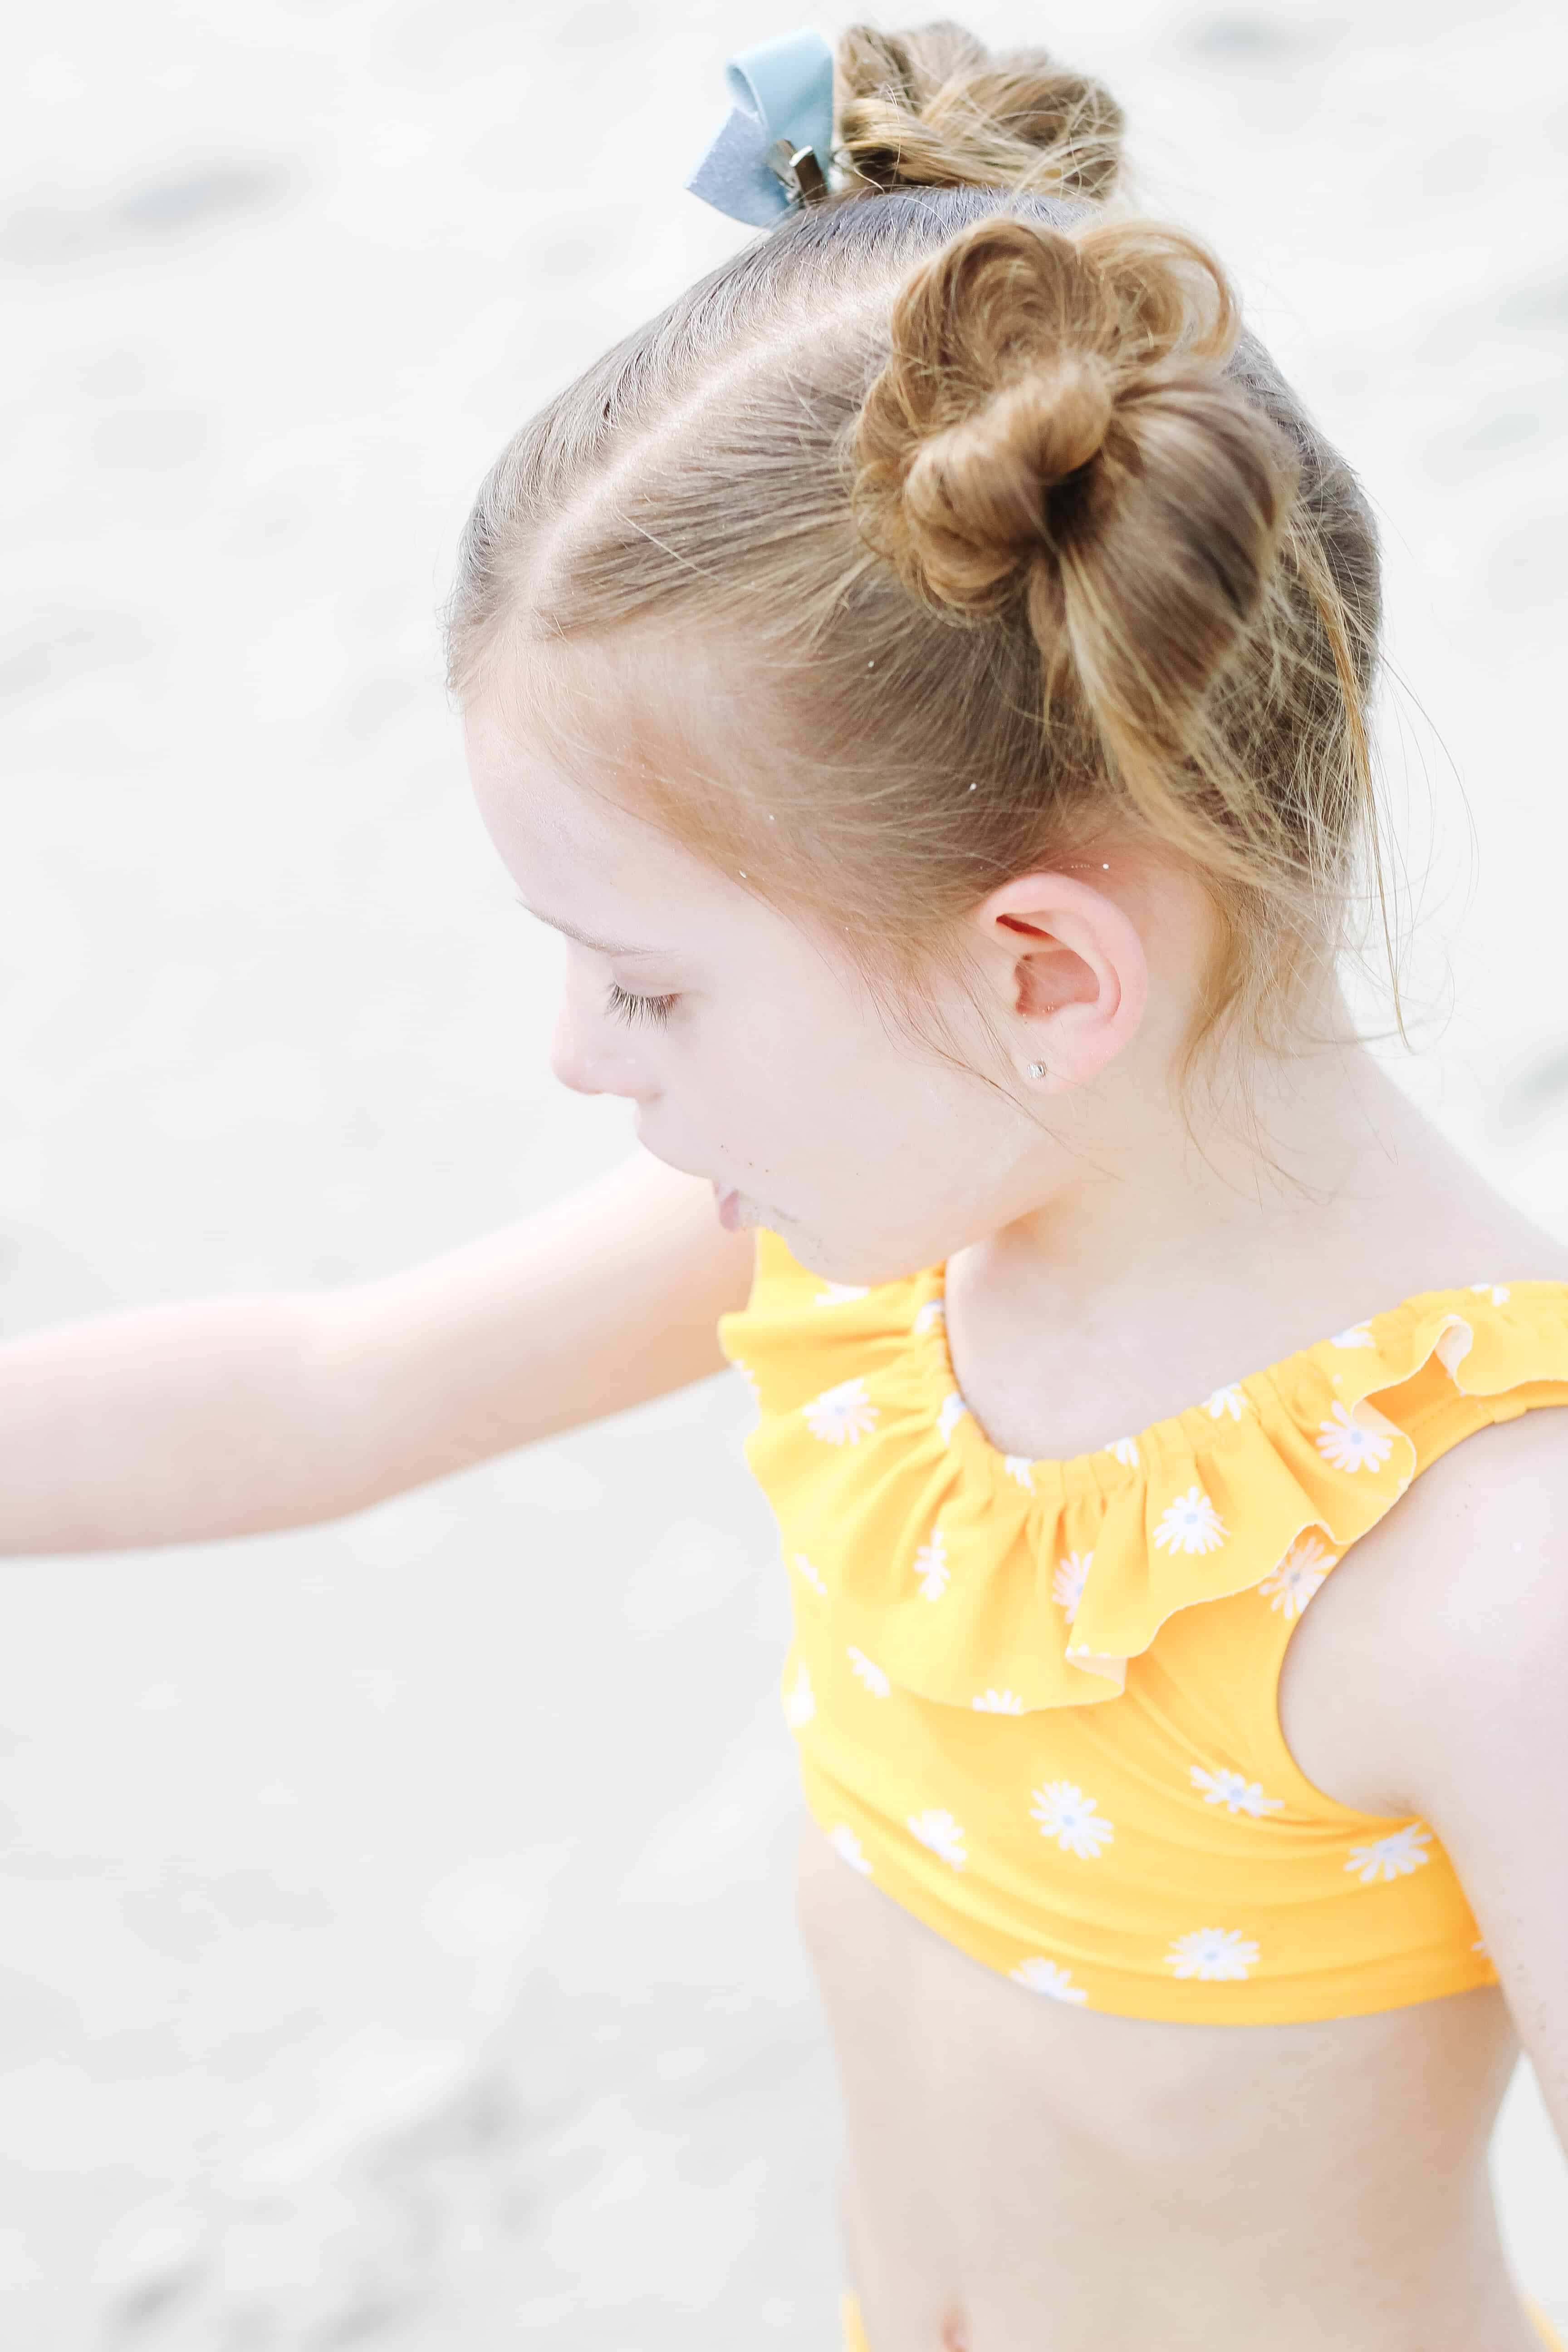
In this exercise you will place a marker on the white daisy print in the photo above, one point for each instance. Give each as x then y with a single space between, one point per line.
1356 1335
994 1702
840 1413
1232 1400
1497 1292
1065 1813
942 1833
933 1311
1045 1976
1235 1792
800 1701
1219 1954
1480 1946
931 1566
747 1374
870 1674
1394 1856
847 1845
811 1575
1189 1524
1356 1444
833 1293
1019 1466
1067 1583
1125 1450
952 1411
1299 1575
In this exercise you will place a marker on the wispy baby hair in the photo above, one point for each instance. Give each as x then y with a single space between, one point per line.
975 529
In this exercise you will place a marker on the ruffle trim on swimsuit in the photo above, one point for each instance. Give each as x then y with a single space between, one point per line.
1034 1583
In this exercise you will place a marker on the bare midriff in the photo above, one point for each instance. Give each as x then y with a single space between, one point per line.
1023 2175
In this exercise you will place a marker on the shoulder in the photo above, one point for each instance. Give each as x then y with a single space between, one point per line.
1464 1595
1446 1619
1478 1549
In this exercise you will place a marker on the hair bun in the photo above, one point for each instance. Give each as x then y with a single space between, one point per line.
974 496
1054 425
934 107
1009 352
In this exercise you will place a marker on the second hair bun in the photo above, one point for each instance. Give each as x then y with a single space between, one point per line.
934 107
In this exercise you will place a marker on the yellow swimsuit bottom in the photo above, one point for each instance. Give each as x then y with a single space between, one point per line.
855 2338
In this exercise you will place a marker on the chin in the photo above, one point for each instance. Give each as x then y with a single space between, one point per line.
865 1265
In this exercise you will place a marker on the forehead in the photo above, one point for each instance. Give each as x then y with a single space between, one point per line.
578 851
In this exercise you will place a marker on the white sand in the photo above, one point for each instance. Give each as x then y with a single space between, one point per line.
395 1937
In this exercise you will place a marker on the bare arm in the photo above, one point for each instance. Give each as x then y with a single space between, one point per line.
1477 1704
229 1416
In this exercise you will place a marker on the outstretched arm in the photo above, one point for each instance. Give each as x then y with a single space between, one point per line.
229 1416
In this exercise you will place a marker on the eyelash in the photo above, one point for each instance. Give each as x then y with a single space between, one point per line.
633 1009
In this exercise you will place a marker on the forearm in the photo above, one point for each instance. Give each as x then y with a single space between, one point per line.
225 1417
171 1424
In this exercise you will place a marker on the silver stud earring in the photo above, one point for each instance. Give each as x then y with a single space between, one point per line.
1036 1069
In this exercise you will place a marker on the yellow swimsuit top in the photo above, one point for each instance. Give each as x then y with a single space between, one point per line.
1036 1702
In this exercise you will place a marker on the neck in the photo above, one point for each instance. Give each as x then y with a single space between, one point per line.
1321 1163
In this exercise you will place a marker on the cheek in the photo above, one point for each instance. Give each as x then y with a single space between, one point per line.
758 1098
807 1105
828 1094
757 1091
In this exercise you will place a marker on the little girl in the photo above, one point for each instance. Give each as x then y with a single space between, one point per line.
925 675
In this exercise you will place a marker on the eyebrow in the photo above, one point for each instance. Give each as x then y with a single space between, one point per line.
600 947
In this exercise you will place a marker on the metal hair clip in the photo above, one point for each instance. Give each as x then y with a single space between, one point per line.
798 169
773 150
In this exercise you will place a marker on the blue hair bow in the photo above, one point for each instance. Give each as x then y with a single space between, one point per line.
774 149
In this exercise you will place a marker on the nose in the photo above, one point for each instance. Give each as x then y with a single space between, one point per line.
585 1071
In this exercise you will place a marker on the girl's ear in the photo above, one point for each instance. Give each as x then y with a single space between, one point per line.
1069 974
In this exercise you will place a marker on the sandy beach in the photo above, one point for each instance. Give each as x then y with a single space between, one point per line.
396 1942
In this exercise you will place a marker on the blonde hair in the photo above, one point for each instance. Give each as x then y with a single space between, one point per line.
976 497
